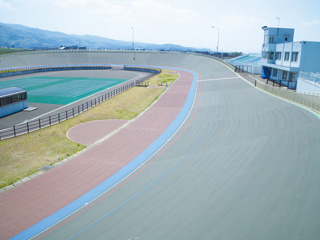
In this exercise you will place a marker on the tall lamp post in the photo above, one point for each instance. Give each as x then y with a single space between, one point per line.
134 55
218 38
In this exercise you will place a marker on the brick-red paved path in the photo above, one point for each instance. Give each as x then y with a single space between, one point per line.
27 204
90 132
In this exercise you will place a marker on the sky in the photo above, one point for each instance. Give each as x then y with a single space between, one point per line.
184 22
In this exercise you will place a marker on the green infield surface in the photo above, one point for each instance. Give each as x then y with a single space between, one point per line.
61 90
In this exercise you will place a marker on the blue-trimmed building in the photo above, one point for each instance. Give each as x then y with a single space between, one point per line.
12 100
282 59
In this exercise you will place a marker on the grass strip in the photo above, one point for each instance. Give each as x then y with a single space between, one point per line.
24 155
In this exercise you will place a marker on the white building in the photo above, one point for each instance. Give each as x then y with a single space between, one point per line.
283 60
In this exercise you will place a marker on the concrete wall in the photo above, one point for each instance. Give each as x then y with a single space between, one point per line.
310 57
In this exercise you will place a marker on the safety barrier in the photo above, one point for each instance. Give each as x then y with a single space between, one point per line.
89 51
309 100
306 99
6 72
243 68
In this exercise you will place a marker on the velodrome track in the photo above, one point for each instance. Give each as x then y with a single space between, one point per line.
244 165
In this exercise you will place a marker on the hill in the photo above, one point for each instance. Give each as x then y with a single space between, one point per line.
19 36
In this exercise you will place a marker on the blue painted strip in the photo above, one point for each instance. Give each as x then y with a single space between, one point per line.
163 175
122 173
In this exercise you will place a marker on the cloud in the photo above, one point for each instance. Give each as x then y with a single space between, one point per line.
108 8
70 3
164 11
241 32
7 6
100 8
311 23
241 21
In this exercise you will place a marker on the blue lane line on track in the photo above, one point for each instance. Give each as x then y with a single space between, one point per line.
122 173
158 179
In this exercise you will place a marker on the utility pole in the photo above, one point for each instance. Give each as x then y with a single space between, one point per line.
134 54
218 39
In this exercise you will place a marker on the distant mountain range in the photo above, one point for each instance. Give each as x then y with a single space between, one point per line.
19 36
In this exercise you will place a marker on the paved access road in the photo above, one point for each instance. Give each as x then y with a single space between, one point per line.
244 165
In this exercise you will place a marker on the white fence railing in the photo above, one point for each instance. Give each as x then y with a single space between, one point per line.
312 78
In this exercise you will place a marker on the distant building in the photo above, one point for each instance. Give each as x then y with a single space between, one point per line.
72 48
12 100
283 60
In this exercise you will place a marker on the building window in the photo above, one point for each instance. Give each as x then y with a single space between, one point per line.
294 57
286 56
284 75
271 39
278 55
13 98
270 55
292 77
275 73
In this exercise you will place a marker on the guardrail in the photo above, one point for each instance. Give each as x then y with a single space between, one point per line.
41 123
243 68
306 99
90 51
309 100
6 72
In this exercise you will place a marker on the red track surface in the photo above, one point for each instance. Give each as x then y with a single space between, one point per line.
90 132
29 203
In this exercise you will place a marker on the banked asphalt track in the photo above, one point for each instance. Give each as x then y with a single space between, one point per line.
244 165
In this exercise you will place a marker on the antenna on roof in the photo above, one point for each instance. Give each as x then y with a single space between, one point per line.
278 24
278 21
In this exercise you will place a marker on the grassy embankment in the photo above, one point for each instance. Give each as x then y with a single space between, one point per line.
24 155
10 50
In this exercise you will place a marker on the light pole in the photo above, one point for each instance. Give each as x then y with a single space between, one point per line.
218 38
134 55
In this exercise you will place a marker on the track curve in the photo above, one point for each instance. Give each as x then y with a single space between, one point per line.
245 166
